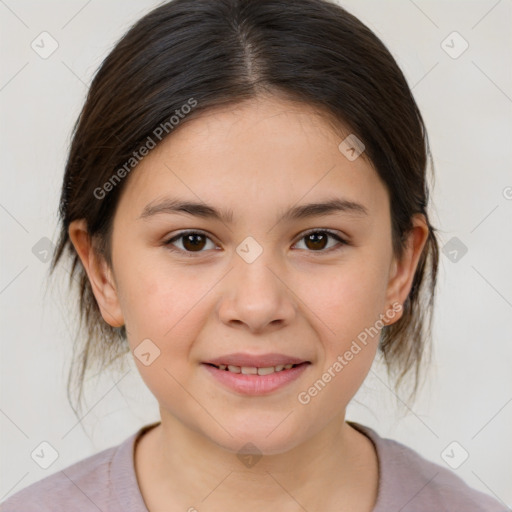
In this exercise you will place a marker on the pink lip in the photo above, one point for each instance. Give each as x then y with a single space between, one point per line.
255 361
256 384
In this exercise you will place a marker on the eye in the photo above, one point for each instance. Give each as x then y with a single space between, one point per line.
317 240
194 241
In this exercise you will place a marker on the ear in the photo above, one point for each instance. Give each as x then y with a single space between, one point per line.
402 271
99 274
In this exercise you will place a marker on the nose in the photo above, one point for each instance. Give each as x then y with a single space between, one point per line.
256 297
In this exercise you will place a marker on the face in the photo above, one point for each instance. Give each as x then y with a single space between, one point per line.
255 288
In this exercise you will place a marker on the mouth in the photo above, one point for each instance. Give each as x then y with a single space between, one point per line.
246 374
254 370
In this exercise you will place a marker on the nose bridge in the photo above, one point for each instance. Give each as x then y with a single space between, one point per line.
255 294
255 272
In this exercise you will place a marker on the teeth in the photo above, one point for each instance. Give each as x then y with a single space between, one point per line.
266 371
251 370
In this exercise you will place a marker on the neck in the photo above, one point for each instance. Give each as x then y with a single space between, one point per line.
182 466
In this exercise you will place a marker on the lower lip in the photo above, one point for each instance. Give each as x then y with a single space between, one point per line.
256 384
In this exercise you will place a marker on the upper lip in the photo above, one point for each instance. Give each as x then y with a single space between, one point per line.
255 361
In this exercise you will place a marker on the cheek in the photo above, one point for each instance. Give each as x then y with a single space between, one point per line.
347 304
157 300
347 308
346 299
164 314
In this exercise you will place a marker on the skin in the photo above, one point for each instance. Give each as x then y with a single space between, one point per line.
258 158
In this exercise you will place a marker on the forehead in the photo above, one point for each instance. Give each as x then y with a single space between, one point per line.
255 154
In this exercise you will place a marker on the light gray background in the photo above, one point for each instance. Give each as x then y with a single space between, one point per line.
467 106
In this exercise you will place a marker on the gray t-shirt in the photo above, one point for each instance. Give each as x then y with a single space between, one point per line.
107 482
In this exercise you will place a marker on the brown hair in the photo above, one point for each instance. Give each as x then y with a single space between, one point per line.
220 52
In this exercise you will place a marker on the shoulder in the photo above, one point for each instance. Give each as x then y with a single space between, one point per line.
411 483
85 485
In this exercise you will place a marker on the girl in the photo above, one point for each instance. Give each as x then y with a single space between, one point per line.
245 202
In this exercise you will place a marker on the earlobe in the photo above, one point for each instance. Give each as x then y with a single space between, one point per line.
402 272
99 274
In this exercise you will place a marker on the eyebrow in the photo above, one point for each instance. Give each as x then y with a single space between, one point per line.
203 210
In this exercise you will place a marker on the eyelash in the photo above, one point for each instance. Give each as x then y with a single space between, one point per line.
193 254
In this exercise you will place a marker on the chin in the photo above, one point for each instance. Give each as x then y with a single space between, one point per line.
261 436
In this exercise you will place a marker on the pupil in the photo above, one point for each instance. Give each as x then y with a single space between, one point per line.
191 241
313 237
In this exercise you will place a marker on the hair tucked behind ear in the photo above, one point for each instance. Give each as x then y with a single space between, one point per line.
221 52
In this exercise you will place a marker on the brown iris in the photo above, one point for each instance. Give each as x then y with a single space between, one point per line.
192 241
318 240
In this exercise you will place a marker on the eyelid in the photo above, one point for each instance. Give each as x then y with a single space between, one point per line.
332 232
341 239
168 241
